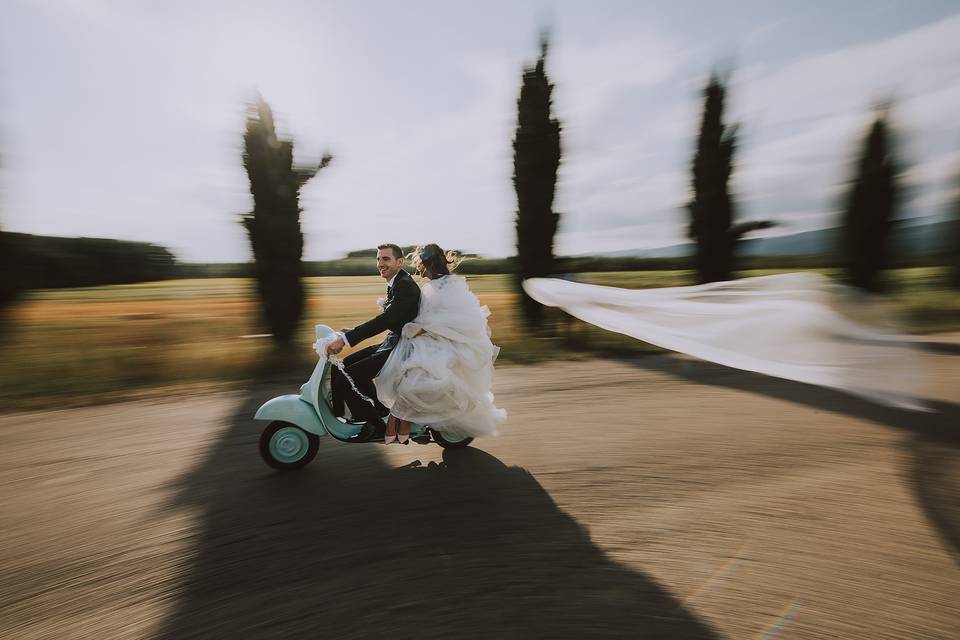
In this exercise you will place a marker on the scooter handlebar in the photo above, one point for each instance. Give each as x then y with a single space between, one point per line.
322 331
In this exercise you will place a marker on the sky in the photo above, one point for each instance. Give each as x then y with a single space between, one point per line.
124 118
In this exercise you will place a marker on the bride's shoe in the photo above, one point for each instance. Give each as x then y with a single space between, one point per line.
390 440
403 438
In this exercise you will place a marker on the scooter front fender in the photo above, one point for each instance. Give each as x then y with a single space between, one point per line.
291 408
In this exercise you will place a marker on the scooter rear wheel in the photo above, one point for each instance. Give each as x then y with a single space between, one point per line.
450 443
287 447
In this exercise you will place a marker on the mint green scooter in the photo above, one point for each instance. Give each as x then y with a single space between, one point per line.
297 421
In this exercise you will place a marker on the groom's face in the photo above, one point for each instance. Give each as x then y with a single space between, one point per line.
387 263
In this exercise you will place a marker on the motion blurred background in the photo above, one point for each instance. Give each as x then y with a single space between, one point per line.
186 188
122 135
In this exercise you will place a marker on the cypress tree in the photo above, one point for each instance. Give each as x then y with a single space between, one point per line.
536 158
953 256
12 271
870 207
274 224
711 207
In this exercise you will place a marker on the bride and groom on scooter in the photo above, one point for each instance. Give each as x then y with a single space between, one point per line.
435 365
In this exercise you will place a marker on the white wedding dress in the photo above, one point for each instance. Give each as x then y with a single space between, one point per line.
798 326
441 372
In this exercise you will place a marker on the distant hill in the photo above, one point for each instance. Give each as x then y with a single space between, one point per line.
910 238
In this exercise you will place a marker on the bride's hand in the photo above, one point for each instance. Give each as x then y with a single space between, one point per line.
411 329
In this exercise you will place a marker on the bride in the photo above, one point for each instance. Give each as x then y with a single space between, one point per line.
441 372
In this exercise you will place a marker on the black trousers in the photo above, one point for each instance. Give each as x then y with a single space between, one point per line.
362 366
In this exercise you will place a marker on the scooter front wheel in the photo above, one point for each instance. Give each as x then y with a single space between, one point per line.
287 447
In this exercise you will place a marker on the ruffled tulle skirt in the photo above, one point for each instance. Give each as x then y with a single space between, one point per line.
441 372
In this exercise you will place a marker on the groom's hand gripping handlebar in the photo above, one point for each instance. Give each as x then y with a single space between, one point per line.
336 346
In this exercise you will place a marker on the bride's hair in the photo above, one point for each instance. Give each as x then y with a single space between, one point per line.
434 261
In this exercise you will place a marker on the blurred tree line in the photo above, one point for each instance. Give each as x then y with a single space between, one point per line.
50 262
562 265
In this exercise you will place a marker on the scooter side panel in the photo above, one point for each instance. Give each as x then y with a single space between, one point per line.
290 408
311 393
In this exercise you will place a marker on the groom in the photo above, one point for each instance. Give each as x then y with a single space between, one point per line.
402 305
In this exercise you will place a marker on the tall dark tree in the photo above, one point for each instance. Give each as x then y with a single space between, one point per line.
954 247
536 158
274 224
12 271
870 208
711 207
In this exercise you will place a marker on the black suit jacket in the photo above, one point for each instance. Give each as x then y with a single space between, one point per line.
402 306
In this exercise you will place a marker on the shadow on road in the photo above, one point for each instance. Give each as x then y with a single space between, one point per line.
935 470
938 425
933 437
943 348
350 548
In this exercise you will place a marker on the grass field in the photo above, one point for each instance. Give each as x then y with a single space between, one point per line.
82 345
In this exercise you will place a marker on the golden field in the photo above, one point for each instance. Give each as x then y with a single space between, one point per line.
86 345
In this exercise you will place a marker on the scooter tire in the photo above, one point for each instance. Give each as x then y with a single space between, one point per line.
287 447
450 444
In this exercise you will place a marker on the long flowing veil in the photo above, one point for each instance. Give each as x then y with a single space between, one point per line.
798 326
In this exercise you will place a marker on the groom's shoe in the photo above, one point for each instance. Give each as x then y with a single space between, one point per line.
371 429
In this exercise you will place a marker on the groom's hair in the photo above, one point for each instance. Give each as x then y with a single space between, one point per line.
397 251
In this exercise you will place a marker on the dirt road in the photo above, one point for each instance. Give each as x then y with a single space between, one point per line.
656 498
